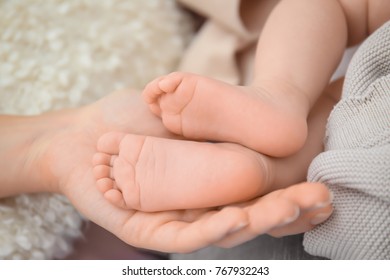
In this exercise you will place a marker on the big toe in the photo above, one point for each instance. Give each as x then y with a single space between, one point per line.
109 143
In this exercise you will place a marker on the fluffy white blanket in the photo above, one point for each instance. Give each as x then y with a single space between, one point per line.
57 54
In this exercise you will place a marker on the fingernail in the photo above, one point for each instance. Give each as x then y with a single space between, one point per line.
320 218
323 204
292 218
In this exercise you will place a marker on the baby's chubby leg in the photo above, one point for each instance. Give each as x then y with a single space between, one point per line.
293 65
156 174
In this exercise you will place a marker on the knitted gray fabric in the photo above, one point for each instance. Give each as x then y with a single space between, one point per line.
356 161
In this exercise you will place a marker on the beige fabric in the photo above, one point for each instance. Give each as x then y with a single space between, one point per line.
221 48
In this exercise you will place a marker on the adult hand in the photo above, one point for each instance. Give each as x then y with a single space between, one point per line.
60 157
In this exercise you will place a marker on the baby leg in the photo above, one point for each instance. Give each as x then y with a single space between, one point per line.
156 174
303 41
299 49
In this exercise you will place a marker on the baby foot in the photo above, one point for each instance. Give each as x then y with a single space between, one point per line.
156 174
201 108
